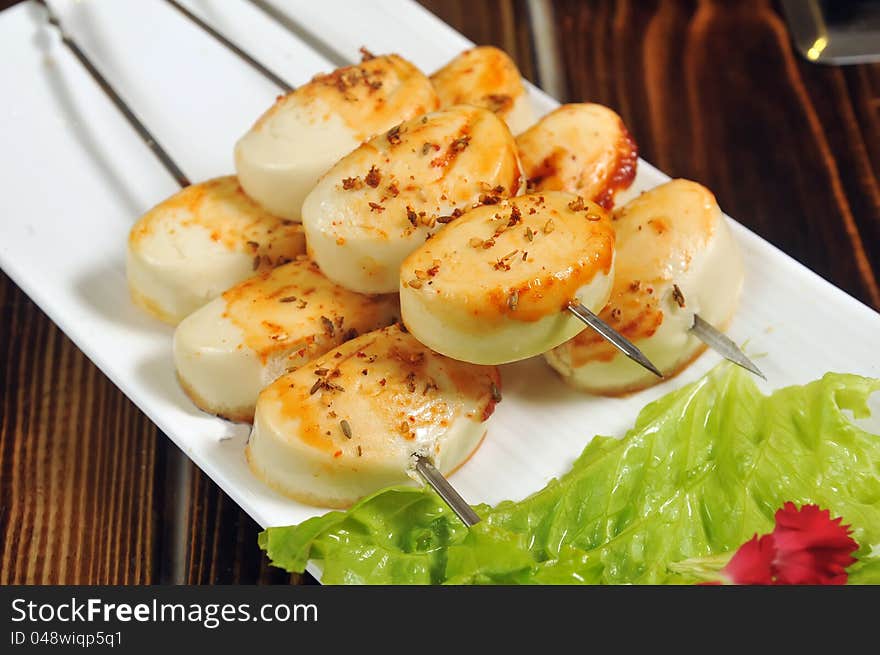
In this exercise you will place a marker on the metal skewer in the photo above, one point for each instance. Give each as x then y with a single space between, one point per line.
723 345
259 67
322 47
117 100
702 329
434 478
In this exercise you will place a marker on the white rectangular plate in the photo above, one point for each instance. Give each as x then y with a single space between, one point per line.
75 177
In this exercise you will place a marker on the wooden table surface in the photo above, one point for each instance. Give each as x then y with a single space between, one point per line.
711 90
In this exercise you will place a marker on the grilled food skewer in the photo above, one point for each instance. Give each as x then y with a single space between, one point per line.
514 279
369 414
426 470
586 149
678 272
583 313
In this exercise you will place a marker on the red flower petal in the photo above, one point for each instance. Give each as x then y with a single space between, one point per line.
807 546
811 547
752 563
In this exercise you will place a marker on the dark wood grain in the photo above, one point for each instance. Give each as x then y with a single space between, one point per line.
223 542
77 462
502 23
712 91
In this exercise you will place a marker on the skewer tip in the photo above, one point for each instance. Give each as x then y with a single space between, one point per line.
749 365
723 345
648 365
614 337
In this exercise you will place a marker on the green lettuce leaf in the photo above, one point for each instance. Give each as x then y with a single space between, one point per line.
703 469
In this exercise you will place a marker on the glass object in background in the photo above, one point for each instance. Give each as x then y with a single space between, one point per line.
835 31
